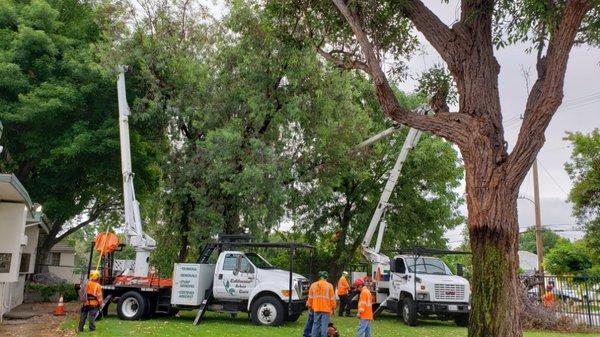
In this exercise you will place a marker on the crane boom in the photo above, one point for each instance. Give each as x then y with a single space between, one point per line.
134 233
372 254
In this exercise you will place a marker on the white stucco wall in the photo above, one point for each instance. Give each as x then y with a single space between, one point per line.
12 234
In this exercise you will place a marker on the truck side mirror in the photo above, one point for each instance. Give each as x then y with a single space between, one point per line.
460 269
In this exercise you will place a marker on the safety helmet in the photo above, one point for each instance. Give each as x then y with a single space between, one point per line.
323 274
345 273
359 283
94 275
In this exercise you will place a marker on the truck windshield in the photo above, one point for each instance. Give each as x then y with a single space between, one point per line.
258 261
427 265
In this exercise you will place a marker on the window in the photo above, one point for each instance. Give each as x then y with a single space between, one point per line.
54 259
428 265
399 266
25 258
246 266
5 262
230 262
259 261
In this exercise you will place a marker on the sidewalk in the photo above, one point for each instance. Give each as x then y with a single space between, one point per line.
36 319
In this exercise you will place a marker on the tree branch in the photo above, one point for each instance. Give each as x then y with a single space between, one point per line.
95 213
346 65
451 126
547 92
445 40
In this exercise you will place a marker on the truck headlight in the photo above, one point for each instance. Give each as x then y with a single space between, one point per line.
423 296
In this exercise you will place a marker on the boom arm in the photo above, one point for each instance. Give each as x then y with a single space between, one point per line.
372 254
134 234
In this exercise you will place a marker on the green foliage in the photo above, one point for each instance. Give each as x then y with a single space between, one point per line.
58 106
568 258
47 291
536 21
584 171
527 240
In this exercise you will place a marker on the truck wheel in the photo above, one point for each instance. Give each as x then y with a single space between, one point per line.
462 320
409 312
293 318
267 310
132 306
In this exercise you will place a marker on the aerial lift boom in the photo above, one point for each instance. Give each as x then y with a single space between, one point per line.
134 233
372 254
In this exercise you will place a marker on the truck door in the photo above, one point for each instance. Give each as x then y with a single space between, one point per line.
235 278
399 278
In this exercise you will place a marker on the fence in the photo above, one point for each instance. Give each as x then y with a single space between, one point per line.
576 297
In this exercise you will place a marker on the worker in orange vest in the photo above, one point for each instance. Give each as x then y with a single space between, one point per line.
365 309
343 289
91 302
548 299
321 300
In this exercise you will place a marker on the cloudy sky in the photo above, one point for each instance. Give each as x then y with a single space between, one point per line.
580 111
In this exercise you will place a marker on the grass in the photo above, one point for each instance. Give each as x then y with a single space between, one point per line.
221 325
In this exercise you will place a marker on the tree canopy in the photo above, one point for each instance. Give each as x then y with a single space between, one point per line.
58 106
527 240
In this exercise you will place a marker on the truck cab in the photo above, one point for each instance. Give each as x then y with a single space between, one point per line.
247 278
424 286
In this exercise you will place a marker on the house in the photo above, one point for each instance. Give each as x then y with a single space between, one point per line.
528 262
61 262
20 226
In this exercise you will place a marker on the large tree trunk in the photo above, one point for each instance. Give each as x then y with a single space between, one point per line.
493 231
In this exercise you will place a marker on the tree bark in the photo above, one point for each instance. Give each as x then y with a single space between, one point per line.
493 230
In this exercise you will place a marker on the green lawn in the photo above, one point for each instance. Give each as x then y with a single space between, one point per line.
217 325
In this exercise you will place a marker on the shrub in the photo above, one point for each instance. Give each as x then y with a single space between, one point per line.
47 291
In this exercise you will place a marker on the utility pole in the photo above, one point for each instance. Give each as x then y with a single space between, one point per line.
539 242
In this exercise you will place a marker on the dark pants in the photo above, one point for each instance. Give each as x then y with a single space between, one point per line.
309 324
92 313
344 304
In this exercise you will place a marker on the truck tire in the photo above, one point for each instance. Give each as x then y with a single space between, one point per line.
409 312
132 306
267 310
462 320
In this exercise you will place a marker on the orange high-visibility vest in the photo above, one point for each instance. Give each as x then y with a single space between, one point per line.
343 286
321 297
548 299
94 292
365 304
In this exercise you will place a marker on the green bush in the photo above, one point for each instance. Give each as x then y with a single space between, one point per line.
47 291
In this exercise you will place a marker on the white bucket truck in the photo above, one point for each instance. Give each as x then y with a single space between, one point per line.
411 285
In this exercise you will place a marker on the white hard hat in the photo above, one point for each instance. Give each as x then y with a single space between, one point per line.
344 273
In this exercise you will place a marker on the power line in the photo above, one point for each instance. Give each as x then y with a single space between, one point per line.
554 180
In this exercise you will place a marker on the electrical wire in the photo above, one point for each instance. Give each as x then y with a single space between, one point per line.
553 180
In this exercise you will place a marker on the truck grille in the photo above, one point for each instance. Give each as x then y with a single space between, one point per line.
449 292
304 285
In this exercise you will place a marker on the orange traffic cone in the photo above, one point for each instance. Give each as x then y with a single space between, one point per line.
60 308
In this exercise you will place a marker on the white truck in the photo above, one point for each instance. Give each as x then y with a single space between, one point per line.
412 285
239 281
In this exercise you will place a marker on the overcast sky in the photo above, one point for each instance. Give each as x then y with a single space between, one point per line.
580 111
